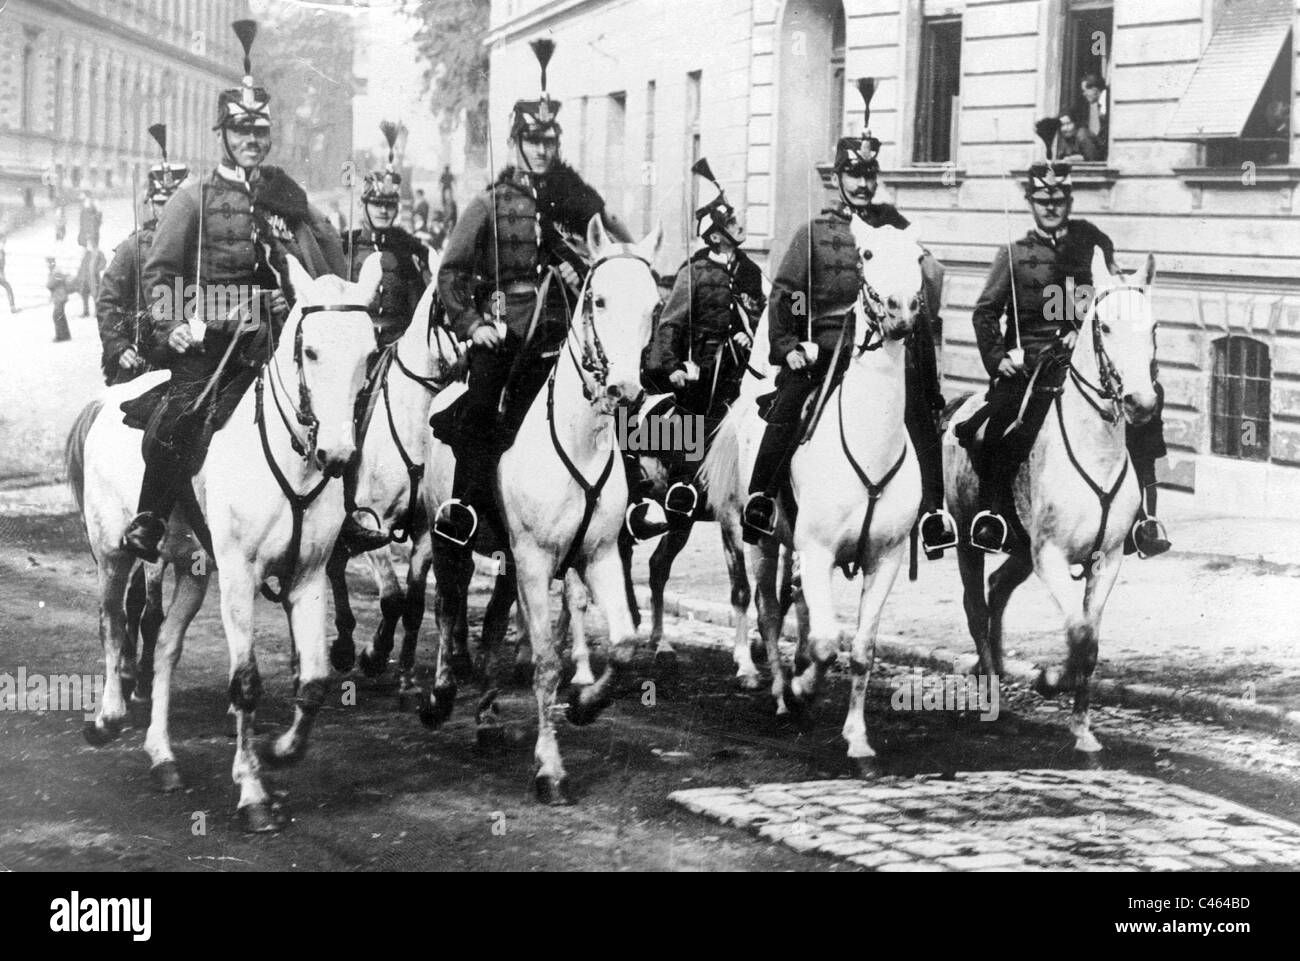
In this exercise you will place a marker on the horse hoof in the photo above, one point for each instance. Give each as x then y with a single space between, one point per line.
462 666
580 714
758 652
552 791
796 708
801 664
143 693
97 735
343 656
437 707
1048 682
749 682
490 740
260 818
865 768
665 661
166 777
522 675
372 665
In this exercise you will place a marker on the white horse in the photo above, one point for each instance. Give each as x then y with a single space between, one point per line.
408 375
856 482
290 436
563 493
1076 494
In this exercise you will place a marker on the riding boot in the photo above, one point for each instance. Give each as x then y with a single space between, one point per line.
355 537
471 498
1147 537
990 528
145 532
759 516
937 528
644 519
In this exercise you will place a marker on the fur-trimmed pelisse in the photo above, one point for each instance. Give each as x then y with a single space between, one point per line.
563 197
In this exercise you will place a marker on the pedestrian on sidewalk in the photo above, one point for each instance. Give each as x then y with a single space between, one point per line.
58 287
93 265
3 282
60 224
91 219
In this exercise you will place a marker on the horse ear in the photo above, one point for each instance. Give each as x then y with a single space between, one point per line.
372 272
653 242
596 237
1148 272
299 279
1101 276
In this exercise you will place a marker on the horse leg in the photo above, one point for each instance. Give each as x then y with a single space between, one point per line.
437 707
765 564
343 653
114 577
970 564
1053 567
573 618
1002 583
305 606
1083 647
496 625
237 593
187 598
661 567
625 546
150 623
417 577
823 633
461 660
550 780
604 581
133 607
876 585
373 660
741 650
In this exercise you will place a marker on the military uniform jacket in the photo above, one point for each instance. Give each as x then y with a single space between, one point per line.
405 265
1045 269
248 228
504 239
701 314
121 310
819 280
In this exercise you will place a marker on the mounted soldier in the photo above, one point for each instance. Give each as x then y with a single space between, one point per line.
810 322
122 310
405 259
1042 283
509 277
701 347
229 232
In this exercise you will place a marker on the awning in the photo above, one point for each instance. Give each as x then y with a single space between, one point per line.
1232 71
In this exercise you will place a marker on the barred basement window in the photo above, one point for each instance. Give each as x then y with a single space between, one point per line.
1240 389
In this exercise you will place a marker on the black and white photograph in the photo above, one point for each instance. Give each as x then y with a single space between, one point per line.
837 436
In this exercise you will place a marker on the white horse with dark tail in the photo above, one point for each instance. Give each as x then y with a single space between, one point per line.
270 492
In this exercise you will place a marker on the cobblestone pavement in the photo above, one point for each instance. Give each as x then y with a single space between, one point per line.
1007 821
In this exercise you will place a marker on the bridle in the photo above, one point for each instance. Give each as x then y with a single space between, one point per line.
304 411
593 367
1110 387
875 312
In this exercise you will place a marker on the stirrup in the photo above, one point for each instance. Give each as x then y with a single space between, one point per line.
1002 536
759 517
682 498
456 522
947 537
1156 541
645 520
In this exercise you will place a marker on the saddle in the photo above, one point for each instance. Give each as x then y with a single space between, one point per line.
162 416
994 430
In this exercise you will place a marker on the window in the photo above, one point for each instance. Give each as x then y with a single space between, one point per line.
1240 391
615 135
940 87
837 83
1085 77
693 109
648 161
1266 137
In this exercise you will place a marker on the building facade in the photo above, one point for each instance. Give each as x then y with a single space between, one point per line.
1193 161
81 81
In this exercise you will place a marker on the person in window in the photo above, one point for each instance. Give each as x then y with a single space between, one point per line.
1076 144
1277 130
1092 112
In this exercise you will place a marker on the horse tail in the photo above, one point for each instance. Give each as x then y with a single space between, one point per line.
74 452
720 471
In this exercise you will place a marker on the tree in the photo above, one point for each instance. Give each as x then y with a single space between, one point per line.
450 39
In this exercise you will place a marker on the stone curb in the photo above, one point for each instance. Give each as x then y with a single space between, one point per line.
1225 710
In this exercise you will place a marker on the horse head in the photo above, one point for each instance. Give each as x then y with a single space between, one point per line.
616 312
1121 338
326 341
890 299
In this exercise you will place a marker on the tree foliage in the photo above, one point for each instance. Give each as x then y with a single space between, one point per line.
450 39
